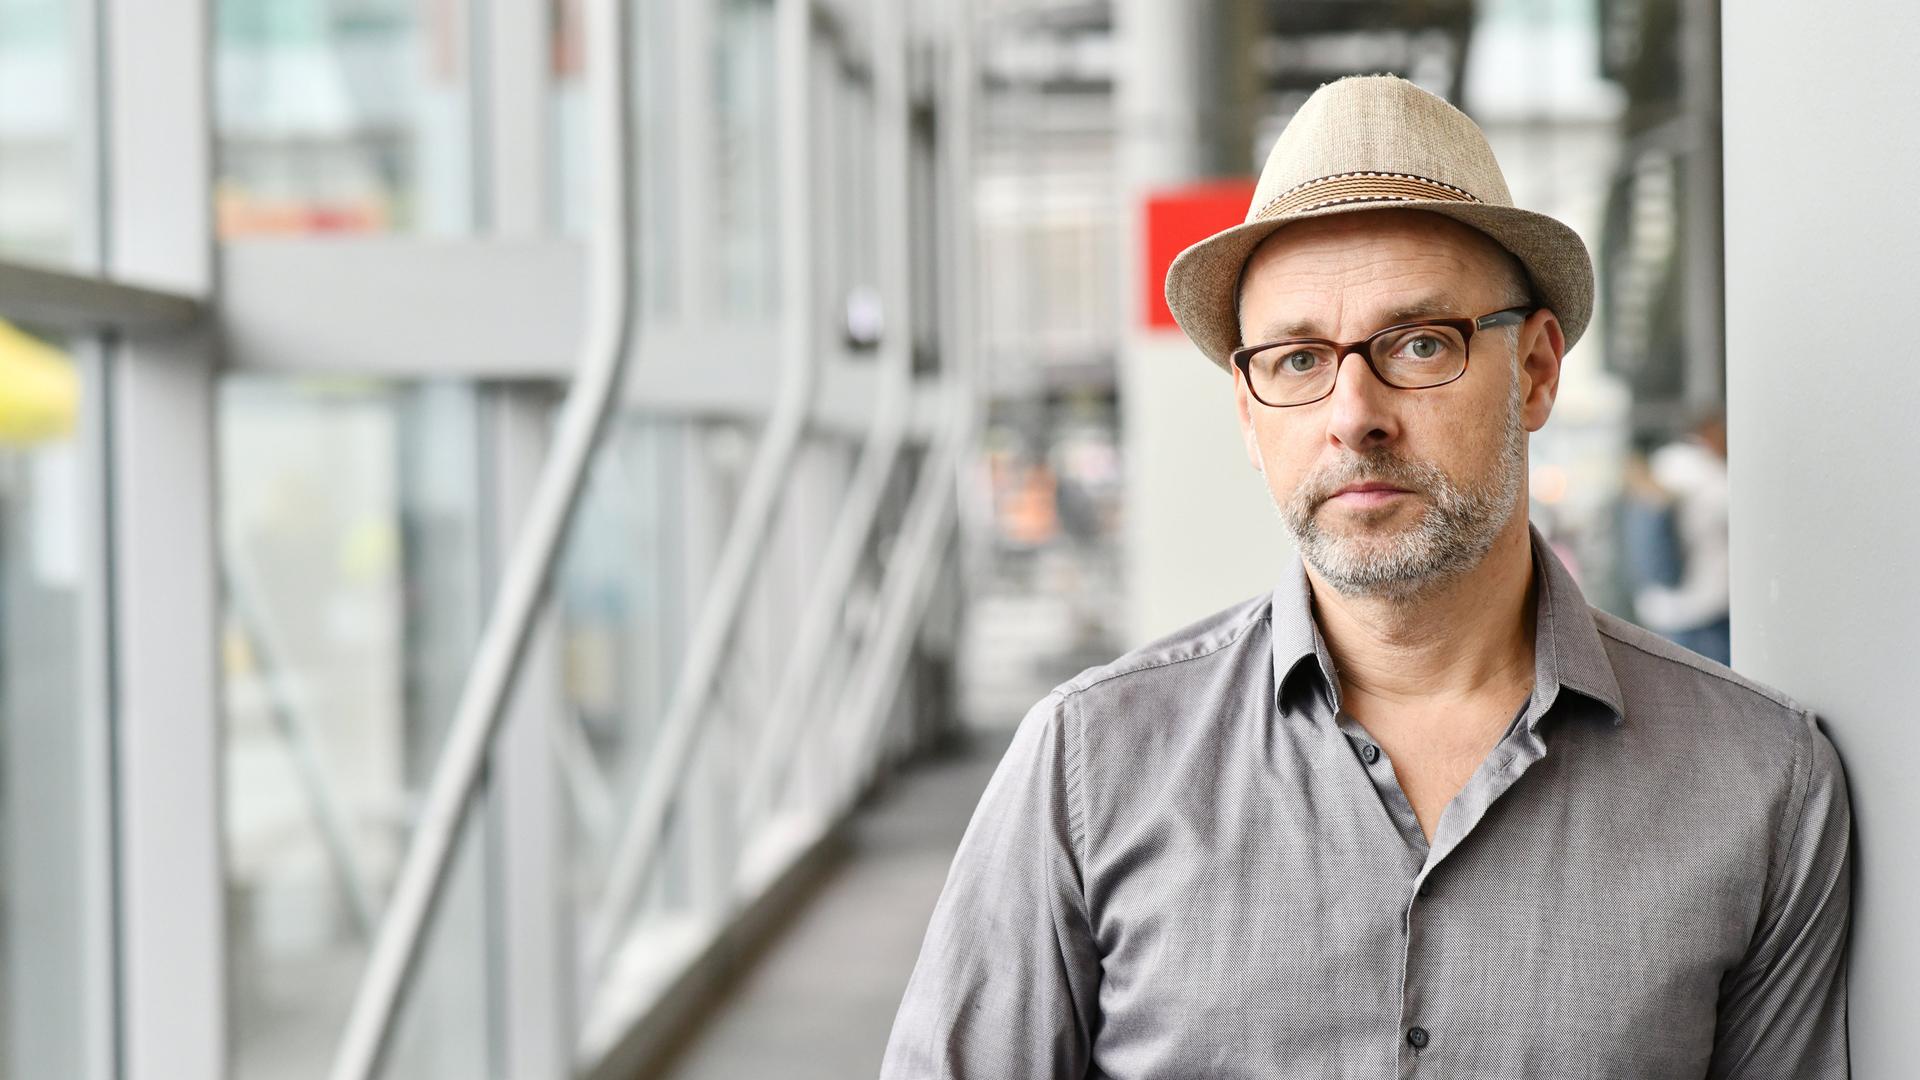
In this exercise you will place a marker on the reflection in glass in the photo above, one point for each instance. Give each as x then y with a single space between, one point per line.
344 116
38 138
351 566
46 806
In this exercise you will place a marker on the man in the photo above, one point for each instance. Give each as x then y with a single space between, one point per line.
1419 812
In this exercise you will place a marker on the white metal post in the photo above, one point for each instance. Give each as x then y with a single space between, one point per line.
156 57
527 851
517 97
535 939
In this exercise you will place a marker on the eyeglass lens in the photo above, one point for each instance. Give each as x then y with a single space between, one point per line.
1410 358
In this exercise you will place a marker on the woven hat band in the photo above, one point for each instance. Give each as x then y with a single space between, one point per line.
1361 187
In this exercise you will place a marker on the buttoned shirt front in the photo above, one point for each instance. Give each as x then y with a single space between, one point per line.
1193 863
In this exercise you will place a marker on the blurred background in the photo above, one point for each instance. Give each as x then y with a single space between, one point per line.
300 299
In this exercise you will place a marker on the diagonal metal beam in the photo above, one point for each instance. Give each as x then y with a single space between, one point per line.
529 570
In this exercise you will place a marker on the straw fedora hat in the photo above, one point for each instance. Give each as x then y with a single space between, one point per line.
1369 143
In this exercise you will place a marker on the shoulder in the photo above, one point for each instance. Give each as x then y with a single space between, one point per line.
1637 651
1159 660
1153 703
1721 721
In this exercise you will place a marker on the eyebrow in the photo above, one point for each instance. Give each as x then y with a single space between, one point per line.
1437 306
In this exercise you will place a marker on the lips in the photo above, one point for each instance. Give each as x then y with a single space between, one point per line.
1366 495
1365 489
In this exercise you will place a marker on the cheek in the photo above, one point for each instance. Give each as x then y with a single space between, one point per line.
1461 433
1287 452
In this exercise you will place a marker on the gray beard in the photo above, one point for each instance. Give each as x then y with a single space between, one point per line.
1452 536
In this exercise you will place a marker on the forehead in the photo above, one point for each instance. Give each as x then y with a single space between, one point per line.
1366 269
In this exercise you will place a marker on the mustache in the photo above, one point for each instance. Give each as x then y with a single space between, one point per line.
1380 467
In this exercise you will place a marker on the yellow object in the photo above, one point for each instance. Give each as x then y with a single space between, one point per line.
39 389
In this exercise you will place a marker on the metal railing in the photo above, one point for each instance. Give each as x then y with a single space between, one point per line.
597 380
909 570
641 844
720 613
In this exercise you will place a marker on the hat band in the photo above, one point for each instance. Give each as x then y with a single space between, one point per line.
1361 187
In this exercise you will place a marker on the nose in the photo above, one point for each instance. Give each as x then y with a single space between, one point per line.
1360 410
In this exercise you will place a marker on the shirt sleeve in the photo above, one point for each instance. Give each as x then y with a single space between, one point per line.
1783 1012
1007 979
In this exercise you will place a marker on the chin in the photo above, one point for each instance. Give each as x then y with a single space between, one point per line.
1363 521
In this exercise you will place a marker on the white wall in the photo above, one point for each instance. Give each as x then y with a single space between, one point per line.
1822 144
1201 532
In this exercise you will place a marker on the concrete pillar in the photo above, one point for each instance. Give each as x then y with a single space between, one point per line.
1822 393
1200 532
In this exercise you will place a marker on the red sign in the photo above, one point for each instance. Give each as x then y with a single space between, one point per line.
1178 217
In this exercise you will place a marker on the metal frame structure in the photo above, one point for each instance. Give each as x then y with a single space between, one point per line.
528 570
719 616
640 845
165 310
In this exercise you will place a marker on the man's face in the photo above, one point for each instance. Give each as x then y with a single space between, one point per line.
1385 490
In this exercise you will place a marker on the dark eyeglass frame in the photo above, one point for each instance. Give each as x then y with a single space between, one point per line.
1466 328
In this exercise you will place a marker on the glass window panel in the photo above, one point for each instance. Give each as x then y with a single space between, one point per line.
624 604
351 558
656 124
52 800
747 165
344 116
633 575
568 79
38 134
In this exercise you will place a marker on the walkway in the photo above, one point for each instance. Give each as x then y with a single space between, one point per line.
821 1001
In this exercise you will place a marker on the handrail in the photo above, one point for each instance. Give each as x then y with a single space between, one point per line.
814 633
720 611
84 303
529 569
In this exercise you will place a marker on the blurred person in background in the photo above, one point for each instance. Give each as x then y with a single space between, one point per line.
1676 509
1419 806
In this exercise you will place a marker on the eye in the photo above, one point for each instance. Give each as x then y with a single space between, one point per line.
1299 363
1423 347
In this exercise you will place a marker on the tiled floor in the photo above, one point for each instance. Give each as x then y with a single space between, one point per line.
820 1003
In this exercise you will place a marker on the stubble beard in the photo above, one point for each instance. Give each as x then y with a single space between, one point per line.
1454 532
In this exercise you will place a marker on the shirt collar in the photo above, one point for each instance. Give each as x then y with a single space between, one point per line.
1567 650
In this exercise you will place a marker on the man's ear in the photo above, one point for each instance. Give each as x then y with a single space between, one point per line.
1542 346
1243 405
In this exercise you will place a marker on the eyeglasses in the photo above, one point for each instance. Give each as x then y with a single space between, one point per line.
1407 356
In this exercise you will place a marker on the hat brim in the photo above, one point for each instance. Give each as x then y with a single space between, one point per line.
1203 280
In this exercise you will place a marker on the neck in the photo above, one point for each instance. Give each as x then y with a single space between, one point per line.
1458 639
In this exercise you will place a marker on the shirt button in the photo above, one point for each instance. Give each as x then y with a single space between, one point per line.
1370 752
1417 1037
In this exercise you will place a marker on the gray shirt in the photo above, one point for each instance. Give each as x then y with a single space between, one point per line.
1193 863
